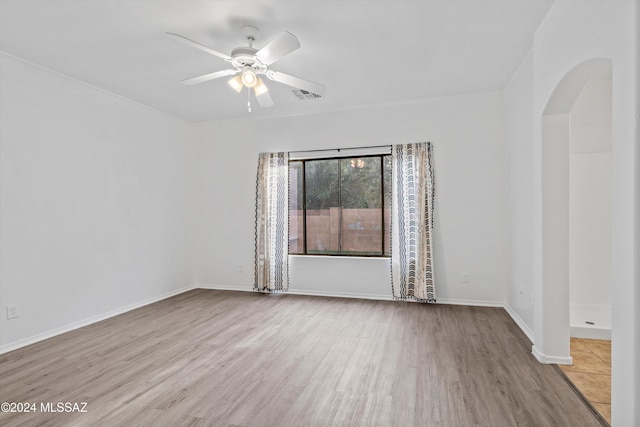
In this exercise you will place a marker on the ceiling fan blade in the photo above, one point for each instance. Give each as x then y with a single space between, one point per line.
199 46
296 82
210 76
282 45
264 99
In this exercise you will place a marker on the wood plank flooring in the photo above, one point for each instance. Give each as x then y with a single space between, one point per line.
222 358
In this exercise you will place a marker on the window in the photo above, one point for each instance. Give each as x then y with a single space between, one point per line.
340 206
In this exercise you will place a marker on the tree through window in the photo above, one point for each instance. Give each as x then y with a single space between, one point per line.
340 206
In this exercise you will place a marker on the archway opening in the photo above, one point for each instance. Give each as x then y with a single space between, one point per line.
576 219
590 188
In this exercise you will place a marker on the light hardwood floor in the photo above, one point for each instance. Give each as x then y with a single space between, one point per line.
224 358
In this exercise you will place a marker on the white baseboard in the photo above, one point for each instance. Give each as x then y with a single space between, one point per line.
75 325
340 294
471 302
304 292
590 333
224 288
383 297
523 326
543 358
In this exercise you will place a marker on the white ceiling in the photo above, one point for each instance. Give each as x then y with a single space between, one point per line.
365 52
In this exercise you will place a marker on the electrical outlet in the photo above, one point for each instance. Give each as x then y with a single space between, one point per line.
465 277
12 311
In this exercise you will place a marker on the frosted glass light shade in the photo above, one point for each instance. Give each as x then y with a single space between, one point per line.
236 83
260 88
249 78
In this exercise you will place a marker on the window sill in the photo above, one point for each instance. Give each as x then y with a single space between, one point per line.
322 256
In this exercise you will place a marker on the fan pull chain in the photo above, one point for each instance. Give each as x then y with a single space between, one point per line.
249 99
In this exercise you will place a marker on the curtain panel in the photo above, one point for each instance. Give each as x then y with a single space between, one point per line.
272 223
412 223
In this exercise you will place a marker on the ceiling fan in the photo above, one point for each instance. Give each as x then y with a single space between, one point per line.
250 63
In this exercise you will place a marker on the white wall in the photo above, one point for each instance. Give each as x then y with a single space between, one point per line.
551 343
519 132
590 204
590 229
95 217
340 276
574 32
591 116
470 210
636 351
96 209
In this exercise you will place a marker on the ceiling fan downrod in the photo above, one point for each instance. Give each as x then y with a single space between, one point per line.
250 33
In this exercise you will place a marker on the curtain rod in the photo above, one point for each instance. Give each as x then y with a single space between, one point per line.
338 149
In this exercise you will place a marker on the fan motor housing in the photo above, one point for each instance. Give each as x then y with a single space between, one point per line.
242 56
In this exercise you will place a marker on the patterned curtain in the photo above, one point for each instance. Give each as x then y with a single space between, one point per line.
272 223
412 223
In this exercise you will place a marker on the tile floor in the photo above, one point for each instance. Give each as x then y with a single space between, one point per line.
591 372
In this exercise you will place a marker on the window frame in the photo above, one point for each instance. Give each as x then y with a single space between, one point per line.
386 238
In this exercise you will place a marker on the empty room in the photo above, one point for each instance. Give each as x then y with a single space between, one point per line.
320 213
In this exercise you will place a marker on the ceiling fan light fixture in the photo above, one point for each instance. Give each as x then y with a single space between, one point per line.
249 78
249 63
260 88
236 83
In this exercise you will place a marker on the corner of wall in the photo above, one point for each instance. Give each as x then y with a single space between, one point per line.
550 360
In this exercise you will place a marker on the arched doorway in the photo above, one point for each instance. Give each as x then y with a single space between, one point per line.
553 305
590 211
